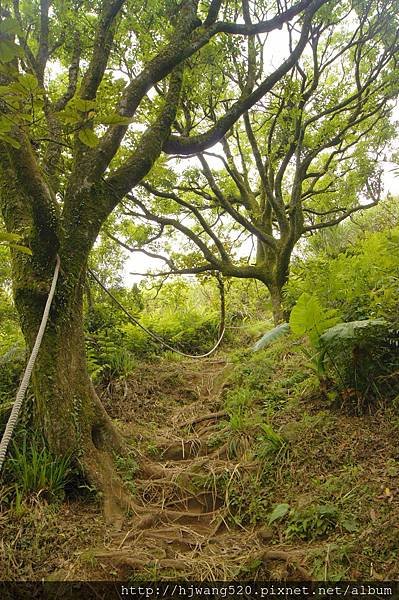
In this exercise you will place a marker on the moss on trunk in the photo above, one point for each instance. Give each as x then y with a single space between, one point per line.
67 409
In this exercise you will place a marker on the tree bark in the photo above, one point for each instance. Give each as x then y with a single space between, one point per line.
67 409
279 315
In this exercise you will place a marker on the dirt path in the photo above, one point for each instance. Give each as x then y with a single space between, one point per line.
181 525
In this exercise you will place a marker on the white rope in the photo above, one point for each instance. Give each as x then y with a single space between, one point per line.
13 418
156 337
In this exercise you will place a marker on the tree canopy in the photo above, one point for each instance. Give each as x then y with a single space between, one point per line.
304 158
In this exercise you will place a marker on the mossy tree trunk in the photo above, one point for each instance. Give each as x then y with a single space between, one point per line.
272 265
67 410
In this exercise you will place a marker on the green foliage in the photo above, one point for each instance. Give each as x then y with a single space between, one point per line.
127 467
10 239
269 442
359 358
356 360
312 522
307 523
278 512
272 375
271 336
239 400
11 366
309 318
337 566
36 471
246 497
107 357
360 282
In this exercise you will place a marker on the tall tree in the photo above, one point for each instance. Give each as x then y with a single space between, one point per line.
89 97
304 158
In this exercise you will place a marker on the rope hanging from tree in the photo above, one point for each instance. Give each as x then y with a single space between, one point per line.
13 418
222 326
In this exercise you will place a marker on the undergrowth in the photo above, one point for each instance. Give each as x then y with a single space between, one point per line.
32 471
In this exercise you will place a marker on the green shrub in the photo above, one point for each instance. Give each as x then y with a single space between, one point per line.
312 522
269 442
308 522
36 471
357 359
360 359
12 365
108 356
361 281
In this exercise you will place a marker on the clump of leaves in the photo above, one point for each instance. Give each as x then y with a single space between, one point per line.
108 359
11 365
356 359
127 467
12 240
36 471
311 522
364 361
269 442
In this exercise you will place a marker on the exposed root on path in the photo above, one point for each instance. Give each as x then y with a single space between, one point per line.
180 521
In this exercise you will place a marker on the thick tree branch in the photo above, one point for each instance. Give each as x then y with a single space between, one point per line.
43 51
102 48
199 143
136 167
73 75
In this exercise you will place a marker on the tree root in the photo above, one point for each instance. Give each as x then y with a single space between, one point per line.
125 558
208 417
289 559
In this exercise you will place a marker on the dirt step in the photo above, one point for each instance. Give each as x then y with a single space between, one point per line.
211 520
185 449
177 536
202 501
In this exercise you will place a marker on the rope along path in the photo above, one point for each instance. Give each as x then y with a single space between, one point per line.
222 327
13 418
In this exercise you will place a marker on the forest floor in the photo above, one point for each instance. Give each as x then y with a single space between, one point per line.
207 480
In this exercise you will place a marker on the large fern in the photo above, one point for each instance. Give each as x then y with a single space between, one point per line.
309 317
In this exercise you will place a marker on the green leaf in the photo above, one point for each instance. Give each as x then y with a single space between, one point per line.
22 249
350 525
327 509
9 237
9 50
69 117
83 105
88 137
278 512
115 120
271 336
10 26
28 82
5 125
348 331
308 317
10 140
